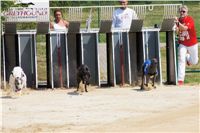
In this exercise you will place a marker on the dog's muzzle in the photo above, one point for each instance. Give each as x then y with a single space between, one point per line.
18 84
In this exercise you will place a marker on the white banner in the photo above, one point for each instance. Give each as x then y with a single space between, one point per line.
27 14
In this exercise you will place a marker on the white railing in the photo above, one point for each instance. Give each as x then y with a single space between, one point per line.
98 13
156 12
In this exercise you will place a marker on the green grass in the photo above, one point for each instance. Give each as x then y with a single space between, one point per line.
194 10
41 61
192 78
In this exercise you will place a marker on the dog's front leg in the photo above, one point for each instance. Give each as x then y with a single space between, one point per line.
86 87
147 83
153 83
20 92
147 80
142 84
78 83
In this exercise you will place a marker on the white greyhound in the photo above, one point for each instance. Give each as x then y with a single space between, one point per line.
18 79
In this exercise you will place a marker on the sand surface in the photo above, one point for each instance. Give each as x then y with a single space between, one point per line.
167 109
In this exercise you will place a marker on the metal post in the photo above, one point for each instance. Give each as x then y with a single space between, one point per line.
32 72
51 63
3 59
121 58
67 60
59 59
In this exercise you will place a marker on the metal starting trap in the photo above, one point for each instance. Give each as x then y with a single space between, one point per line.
126 50
72 48
19 46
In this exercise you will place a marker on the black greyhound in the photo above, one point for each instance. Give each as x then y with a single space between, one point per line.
83 75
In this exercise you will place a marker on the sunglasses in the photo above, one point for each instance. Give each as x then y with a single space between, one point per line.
183 11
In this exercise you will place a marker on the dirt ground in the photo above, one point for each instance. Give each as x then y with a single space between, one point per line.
167 109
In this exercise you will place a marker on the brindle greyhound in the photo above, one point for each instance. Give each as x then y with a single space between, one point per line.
149 71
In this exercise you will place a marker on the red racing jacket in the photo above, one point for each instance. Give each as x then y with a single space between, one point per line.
188 37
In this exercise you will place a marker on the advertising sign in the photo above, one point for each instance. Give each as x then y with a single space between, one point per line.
36 12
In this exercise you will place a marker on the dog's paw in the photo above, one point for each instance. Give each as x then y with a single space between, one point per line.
75 91
146 88
141 88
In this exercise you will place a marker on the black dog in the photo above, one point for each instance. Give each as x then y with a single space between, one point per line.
149 71
83 75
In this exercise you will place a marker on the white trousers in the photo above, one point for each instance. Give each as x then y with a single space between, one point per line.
186 54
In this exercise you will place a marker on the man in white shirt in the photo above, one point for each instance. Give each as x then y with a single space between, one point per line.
122 17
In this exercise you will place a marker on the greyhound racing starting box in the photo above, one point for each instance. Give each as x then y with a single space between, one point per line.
83 49
19 46
118 58
66 51
144 44
57 60
88 53
20 50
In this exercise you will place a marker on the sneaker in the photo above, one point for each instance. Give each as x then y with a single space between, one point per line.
188 63
180 82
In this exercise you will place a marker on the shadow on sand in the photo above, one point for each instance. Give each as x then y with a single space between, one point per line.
7 97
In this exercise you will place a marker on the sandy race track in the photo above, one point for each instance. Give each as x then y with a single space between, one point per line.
167 109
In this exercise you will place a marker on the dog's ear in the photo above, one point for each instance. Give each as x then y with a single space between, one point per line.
22 75
154 60
17 79
86 68
89 74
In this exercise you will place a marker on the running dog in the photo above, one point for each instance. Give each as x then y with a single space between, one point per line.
18 79
149 71
83 75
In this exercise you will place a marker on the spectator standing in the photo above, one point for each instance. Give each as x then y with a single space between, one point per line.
59 23
122 17
188 44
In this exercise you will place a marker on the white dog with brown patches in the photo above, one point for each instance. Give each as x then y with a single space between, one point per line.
18 79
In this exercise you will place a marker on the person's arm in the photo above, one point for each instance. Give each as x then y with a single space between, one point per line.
114 20
186 26
134 15
176 25
66 23
51 26
179 26
182 27
177 30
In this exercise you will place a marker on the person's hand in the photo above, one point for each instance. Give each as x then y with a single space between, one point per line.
176 24
176 20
